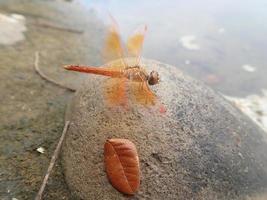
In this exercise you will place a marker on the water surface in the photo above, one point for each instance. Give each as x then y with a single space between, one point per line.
212 40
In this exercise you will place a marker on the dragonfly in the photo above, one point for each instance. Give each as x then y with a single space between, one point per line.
127 76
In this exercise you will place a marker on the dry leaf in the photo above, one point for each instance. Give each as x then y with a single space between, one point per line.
122 165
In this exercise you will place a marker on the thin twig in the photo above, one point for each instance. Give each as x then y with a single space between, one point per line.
37 69
59 28
52 162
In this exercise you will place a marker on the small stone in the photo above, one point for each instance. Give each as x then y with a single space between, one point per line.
40 150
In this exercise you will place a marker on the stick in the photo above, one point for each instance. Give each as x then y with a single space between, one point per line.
52 162
45 77
59 28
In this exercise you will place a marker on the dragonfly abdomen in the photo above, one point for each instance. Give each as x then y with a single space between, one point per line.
131 73
94 70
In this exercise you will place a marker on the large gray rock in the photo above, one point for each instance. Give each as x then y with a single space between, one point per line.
201 148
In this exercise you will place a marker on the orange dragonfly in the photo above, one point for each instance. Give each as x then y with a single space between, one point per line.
122 72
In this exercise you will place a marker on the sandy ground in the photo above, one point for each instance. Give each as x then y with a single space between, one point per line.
32 110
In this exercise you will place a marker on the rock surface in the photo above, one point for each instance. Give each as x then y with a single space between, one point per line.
201 148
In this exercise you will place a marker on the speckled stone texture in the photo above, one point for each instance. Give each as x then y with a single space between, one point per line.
201 148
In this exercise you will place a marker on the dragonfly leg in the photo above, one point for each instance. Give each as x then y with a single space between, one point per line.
142 86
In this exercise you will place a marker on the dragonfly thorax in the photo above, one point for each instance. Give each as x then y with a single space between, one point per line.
136 73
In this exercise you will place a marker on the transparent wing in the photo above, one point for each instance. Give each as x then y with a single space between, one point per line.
135 43
113 49
115 92
142 94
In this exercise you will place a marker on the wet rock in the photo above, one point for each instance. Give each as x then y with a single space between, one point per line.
11 28
201 148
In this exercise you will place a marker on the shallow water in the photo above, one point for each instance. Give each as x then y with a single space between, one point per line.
220 37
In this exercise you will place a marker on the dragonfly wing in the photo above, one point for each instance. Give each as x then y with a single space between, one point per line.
115 91
135 43
142 94
113 49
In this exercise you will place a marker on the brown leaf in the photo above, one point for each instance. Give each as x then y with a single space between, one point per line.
122 165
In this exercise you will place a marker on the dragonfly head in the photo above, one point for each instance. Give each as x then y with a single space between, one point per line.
153 78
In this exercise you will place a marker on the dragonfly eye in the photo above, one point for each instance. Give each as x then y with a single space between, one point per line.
153 78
